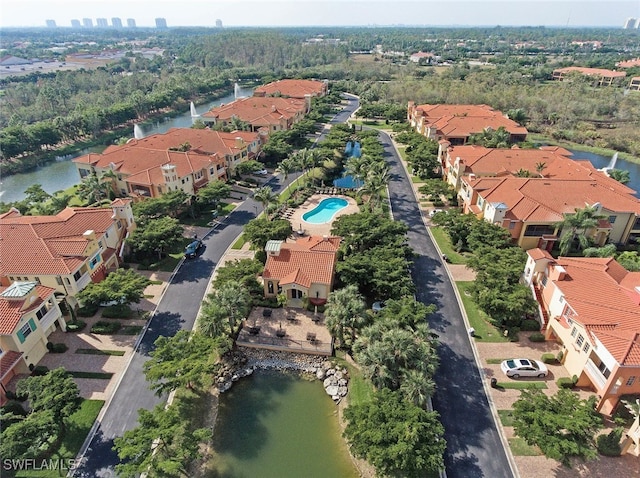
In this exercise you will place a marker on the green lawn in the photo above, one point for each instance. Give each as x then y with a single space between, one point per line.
522 385
416 180
495 361
485 332
130 330
78 426
519 447
506 417
442 238
239 242
360 390
118 353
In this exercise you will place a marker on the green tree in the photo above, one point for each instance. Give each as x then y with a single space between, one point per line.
213 192
91 189
375 184
234 300
345 315
122 286
562 425
156 236
184 360
259 231
30 437
575 228
490 138
397 437
621 175
630 260
163 444
55 391
265 196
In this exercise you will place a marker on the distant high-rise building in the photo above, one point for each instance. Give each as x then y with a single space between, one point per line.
76 24
218 23
116 22
161 23
102 23
51 23
630 23
87 23
131 23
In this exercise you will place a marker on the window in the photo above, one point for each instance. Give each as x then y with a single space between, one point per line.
605 371
580 340
561 299
574 332
544 281
612 219
67 281
270 287
585 349
41 312
25 331
539 230
512 224
77 275
94 261
296 294
631 380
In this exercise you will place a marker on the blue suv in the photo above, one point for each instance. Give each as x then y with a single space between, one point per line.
192 249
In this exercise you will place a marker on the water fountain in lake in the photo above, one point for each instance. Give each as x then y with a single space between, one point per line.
611 165
137 132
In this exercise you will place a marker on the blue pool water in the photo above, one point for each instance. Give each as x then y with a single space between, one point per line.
347 182
325 211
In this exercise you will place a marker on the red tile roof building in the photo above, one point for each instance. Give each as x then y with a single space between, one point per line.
488 185
593 310
264 114
29 313
455 123
290 88
634 84
64 252
304 268
629 63
182 158
604 77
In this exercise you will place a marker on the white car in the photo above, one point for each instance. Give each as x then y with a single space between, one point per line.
378 306
516 368
434 212
262 172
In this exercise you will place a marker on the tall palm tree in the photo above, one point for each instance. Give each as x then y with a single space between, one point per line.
576 227
417 387
91 189
285 168
345 315
234 300
265 196
541 166
108 178
357 167
375 184
213 319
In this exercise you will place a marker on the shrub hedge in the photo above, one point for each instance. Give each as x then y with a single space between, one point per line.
76 325
549 358
530 325
103 327
609 444
537 337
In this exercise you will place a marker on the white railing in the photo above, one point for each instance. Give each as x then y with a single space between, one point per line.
83 281
595 374
49 318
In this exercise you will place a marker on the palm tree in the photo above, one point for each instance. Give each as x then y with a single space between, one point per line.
234 301
417 387
541 166
108 178
345 314
621 175
213 319
375 184
91 189
357 167
265 196
576 227
285 168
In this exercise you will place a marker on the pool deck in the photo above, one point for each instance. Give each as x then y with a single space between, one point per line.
319 229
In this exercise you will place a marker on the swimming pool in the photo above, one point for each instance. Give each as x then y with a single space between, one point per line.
325 211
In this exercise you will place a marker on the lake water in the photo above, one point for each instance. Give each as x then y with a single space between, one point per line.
277 425
602 161
63 174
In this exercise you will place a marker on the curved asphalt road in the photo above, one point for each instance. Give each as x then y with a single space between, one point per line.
176 311
474 448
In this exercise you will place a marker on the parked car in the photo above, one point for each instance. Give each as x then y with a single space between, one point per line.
262 172
434 212
516 368
192 249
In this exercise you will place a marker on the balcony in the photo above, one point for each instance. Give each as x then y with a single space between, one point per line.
595 374
49 318
83 281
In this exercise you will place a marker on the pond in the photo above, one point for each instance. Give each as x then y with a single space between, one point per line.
600 162
279 425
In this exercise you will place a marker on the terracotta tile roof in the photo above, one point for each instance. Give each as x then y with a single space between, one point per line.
8 360
591 71
464 126
537 254
292 88
34 245
604 296
309 260
259 111
439 111
629 63
544 199
12 309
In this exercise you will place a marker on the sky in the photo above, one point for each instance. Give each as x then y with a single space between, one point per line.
283 13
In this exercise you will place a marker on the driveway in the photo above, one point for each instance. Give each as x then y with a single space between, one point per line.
474 445
176 311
